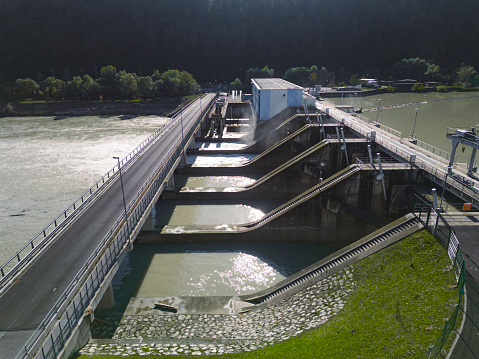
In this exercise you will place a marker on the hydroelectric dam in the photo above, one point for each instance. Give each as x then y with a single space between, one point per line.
316 173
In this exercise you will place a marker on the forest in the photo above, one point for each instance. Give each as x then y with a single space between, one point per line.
219 40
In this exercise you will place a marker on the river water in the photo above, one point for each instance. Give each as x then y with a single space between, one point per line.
47 163
435 113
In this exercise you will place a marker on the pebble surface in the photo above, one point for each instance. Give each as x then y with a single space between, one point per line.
211 334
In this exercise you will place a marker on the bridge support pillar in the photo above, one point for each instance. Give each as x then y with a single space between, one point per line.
80 337
182 160
170 183
149 224
192 143
107 301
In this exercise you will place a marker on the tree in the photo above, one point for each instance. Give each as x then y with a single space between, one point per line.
354 80
298 75
252 73
145 87
413 68
236 84
127 83
53 88
25 89
177 83
108 74
82 88
466 74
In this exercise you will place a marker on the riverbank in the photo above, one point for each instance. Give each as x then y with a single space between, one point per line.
159 106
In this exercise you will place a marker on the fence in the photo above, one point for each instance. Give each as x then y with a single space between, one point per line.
70 308
459 188
437 226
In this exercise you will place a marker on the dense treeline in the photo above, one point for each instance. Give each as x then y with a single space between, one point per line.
109 85
221 39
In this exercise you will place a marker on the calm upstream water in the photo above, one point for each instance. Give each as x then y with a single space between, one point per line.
436 112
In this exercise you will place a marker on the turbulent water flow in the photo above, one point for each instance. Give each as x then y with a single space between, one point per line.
45 164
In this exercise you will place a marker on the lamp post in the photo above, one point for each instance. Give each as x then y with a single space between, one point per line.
181 124
414 127
379 105
123 193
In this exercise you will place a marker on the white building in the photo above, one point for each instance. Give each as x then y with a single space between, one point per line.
271 96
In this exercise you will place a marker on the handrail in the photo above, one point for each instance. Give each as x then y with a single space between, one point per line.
267 133
276 145
313 191
287 164
405 156
76 207
104 256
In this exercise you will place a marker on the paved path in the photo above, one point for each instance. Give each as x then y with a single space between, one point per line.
24 305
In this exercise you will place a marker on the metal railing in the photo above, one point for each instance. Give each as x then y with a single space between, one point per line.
462 190
70 308
12 266
383 127
438 227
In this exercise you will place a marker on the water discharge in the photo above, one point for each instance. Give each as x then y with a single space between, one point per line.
45 164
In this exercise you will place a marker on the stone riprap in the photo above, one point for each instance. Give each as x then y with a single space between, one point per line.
208 334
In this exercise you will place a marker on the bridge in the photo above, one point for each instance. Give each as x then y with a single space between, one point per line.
49 288
49 284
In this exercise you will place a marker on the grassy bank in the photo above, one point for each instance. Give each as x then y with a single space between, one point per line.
403 296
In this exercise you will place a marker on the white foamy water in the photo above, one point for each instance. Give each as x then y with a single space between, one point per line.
211 146
218 160
46 164
206 274
218 181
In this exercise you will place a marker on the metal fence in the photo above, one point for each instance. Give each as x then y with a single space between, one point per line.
459 188
50 337
438 226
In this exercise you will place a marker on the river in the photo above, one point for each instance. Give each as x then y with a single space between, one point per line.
435 112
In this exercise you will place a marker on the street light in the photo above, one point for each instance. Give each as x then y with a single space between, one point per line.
123 193
379 105
415 118
182 124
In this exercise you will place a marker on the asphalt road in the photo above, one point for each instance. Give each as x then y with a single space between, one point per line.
26 303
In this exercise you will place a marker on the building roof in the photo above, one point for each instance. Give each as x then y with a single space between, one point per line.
275 84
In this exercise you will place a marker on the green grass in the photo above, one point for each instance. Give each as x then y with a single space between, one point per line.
402 298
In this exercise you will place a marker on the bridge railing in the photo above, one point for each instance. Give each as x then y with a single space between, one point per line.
461 189
439 227
42 239
70 308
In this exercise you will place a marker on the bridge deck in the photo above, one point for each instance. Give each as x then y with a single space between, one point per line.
25 304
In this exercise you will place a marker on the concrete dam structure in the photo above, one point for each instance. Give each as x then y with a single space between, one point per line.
324 191
307 174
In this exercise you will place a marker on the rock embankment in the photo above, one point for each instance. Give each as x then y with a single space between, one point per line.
89 108
204 334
